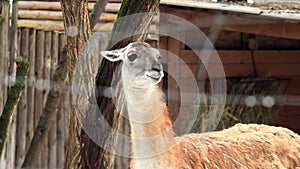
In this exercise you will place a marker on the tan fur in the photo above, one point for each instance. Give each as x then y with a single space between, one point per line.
244 146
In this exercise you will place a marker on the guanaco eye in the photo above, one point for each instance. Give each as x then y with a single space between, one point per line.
158 56
132 56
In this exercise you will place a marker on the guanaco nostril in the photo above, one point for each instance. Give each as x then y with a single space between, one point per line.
156 67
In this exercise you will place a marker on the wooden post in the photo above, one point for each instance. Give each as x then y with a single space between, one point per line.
22 106
1 70
62 116
47 64
13 42
174 46
31 86
46 77
39 72
52 138
40 82
11 142
5 46
4 26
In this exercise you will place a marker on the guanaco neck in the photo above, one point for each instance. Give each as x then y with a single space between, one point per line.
151 127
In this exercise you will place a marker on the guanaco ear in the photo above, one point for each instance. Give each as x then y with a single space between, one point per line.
112 55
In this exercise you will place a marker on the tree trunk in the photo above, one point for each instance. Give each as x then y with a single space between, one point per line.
77 21
77 28
99 8
13 98
137 26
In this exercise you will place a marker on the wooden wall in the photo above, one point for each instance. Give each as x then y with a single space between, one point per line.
244 49
47 15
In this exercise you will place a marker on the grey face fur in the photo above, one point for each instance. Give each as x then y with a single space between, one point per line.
141 67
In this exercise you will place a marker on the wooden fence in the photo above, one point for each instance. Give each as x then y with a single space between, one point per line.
47 15
42 49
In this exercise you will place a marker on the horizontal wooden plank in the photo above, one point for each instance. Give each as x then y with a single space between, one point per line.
239 63
289 116
56 25
104 27
56 15
39 14
291 122
290 111
189 72
190 87
244 56
108 27
278 69
59 26
277 56
43 5
239 57
231 70
226 56
294 85
293 90
237 70
284 30
110 7
115 1
108 17
45 25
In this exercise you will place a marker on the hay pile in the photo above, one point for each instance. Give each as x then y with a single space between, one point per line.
236 109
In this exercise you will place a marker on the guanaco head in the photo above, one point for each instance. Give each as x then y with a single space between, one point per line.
140 68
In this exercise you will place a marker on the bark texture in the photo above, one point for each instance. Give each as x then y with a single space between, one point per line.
77 28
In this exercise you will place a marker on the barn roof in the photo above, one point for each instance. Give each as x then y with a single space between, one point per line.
281 11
